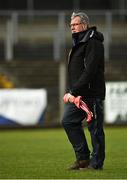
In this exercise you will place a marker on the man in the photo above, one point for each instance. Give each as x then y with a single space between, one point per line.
86 79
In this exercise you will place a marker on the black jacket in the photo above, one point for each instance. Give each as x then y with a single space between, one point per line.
86 64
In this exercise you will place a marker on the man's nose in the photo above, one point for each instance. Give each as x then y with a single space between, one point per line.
72 28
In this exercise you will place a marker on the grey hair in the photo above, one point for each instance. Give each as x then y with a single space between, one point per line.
84 18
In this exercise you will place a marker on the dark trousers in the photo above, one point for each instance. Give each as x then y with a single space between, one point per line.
72 123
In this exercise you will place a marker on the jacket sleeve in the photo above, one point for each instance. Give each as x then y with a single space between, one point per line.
94 53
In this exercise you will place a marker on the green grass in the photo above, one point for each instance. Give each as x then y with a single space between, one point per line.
46 154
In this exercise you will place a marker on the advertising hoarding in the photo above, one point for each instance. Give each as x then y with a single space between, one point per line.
116 102
22 106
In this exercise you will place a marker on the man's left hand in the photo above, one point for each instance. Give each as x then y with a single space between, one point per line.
68 98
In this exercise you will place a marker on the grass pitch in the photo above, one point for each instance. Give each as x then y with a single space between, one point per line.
46 154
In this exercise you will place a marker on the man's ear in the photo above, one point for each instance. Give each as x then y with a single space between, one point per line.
85 26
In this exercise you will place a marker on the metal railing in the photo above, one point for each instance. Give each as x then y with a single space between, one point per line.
47 35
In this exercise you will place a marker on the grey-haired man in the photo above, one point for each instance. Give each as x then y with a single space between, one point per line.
86 79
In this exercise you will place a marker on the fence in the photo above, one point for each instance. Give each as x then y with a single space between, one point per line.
46 34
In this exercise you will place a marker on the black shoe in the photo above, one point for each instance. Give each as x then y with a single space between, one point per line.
79 165
95 167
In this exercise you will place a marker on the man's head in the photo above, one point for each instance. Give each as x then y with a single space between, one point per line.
79 22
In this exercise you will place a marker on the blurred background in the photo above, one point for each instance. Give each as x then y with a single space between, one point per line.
34 43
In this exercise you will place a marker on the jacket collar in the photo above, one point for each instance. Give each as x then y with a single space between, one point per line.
83 36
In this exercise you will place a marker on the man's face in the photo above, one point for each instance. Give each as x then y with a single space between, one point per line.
76 25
